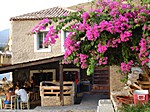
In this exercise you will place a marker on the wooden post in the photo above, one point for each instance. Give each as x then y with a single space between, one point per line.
61 83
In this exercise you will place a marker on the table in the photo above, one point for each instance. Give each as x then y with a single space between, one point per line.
2 97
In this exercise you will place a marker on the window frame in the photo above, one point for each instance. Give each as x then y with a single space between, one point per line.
73 69
63 34
36 43
44 71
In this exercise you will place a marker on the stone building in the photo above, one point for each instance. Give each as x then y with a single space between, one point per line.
31 58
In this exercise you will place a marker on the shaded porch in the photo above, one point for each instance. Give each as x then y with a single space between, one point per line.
50 70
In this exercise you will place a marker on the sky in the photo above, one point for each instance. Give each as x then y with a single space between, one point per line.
11 8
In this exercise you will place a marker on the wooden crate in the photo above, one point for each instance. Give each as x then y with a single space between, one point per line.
50 95
145 85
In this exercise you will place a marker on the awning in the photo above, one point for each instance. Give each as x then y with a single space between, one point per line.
11 68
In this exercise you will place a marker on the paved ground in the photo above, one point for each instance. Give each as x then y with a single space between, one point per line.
88 103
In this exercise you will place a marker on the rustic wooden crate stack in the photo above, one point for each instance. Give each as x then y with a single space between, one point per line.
50 95
145 85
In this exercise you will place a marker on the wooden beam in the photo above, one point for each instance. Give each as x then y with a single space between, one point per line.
61 83
29 64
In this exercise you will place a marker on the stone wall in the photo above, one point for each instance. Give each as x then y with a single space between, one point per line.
115 79
23 43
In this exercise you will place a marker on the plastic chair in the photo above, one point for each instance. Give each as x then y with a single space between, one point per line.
12 105
24 105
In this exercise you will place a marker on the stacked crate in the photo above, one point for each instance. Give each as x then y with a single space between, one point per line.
50 93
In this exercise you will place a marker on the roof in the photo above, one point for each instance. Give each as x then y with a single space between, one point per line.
47 13
87 6
51 12
11 68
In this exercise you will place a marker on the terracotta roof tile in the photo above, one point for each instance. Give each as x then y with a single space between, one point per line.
47 13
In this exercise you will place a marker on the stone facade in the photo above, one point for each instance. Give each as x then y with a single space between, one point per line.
23 43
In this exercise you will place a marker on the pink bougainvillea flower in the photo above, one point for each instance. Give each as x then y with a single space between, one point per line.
84 65
66 14
144 27
103 61
101 31
125 67
83 58
85 16
92 33
76 60
102 48
125 36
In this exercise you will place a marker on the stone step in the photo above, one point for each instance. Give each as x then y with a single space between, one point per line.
100 85
100 72
104 68
100 82
100 91
100 88
105 105
100 76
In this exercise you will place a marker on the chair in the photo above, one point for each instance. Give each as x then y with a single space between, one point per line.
12 104
24 105
2 98
34 96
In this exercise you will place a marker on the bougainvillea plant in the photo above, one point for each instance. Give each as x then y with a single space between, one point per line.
112 33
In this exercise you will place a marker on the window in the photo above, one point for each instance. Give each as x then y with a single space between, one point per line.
41 37
64 34
38 43
71 74
39 77
43 75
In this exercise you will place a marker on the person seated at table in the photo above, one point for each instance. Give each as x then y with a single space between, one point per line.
3 80
16 89
17 83
23 94
26 86
8 98
11 91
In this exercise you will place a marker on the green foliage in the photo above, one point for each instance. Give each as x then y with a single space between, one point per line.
90 69
137 108
124 79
